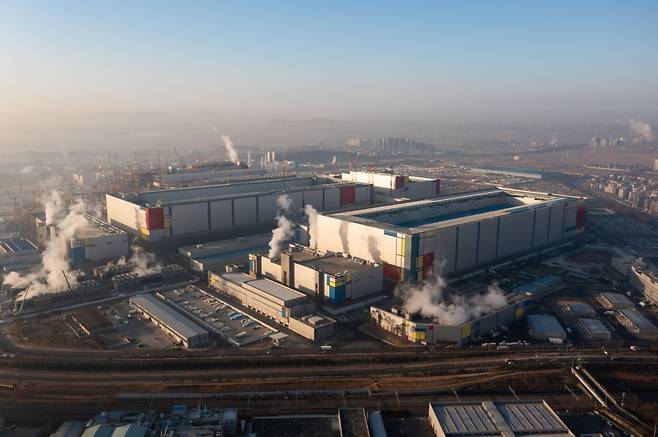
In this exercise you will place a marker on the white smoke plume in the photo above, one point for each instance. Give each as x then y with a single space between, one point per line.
333 160
230 149
429 300
641 130
285 229
140 262
68 222
27 169
143 263
312 215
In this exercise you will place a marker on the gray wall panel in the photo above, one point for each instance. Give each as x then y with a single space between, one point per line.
487 243
467 251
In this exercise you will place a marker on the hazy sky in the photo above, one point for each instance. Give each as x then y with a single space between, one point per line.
329 58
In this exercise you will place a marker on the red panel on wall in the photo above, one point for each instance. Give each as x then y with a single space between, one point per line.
399 182
154 218
392 272
428 265
581 213
347 196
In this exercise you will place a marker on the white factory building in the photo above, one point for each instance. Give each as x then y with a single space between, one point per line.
387 186
182 329
457 233
227 209
330 278
276 301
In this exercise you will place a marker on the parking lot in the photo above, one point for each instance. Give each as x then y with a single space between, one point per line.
235 326
135 331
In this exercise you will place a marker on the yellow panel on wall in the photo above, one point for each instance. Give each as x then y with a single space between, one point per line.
466 330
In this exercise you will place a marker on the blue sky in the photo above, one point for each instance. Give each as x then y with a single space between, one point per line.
328 58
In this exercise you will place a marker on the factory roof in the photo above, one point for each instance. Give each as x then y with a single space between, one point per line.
276 290
229 190
424 215
594 326
353 422
498 419
576 308
617 300
214 248
638 320
329 263
546 325
537 286
296 426
237 277
168 316
16 245
97 228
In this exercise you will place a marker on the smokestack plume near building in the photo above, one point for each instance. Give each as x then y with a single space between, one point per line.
312 215
285 230
230 149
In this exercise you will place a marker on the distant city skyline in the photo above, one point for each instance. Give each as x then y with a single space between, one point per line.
337 59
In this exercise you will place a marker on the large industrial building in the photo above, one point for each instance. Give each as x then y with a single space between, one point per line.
182 329
390 186
496 419
226 209
280 303
456 234
336 280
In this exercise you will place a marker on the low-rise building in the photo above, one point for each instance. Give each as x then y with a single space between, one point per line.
593 329
636 324
496 418
645 281
545 327
282 304
333 279
614 301
389 185
18 253
182 329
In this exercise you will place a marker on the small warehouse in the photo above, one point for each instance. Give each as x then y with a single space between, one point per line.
593 329
574 308
182 329
637 324
614 301
545 327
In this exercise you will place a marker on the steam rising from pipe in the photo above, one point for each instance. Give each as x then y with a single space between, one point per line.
230 149
641 130
312 214
285 230
428 299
